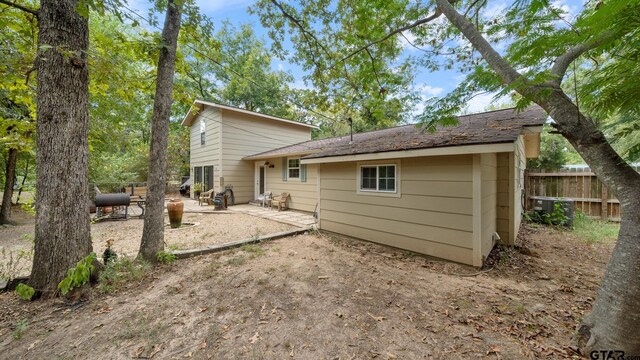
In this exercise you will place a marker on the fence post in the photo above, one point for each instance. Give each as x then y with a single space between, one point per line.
604 197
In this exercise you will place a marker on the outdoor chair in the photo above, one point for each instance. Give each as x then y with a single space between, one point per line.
280 201
206 197
265 199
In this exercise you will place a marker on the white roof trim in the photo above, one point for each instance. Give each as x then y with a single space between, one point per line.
267 156
185 121
448 150
531 129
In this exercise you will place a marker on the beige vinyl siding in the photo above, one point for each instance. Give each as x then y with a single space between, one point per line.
520 161
489 167
432 216
505 197
511 168
303 195
209 153
244 135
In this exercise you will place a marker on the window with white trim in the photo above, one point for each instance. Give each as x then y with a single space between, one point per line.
202 132
293 168
380 178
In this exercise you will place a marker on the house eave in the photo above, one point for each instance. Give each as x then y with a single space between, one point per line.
271 156
188 119
531 129
439 151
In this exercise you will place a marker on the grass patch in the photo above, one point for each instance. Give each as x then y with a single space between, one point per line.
254 250
144 328
594 230
166 257
117 275
175 247
237 261
21 328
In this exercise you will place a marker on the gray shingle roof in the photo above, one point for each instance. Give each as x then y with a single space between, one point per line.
500 126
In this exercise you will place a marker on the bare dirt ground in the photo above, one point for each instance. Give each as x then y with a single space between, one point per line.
212 229
319 296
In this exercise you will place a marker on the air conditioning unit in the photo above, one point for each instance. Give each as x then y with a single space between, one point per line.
546 205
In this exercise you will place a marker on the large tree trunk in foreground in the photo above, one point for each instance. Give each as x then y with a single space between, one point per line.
5 211
62 216
614 322
153 232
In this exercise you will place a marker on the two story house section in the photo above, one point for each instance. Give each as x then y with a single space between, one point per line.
221 136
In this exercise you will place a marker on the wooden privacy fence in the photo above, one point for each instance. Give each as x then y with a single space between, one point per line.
590 196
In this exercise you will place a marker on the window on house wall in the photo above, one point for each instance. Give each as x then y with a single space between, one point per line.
378 178
197 174
207 181
293 168
202 132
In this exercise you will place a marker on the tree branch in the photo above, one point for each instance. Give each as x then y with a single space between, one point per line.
504 70
373 66
562 62
20 7
306 33
394 32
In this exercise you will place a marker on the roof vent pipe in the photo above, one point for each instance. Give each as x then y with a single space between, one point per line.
351 130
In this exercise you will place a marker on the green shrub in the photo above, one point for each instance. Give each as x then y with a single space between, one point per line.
556 217
121 272
78 275
25 291
165 257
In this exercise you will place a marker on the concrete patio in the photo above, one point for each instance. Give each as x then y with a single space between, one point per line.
291 217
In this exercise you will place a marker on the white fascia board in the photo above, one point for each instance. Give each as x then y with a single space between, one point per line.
537 129
264 157
243 111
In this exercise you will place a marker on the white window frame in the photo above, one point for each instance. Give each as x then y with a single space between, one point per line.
377 165
289 168
203 132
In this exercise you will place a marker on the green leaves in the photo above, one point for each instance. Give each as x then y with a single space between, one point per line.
78 275
25 291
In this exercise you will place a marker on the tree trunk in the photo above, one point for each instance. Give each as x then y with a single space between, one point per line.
615 319
62 232
153 232
5 211
24 179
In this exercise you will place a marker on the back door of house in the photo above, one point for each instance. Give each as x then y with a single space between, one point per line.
260 181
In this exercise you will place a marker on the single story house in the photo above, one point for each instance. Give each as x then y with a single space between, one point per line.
450 194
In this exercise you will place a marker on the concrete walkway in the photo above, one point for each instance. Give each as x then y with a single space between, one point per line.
291 217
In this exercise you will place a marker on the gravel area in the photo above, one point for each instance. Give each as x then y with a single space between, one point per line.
212 229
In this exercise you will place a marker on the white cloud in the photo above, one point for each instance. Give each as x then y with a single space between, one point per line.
481 102
428 91
570 11
301 85
495 9
209 6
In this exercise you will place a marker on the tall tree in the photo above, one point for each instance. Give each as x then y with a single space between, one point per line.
153 232
62 233
537 47
18 31
16 125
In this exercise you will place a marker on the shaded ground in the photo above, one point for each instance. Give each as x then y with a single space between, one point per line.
325 297
214 228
